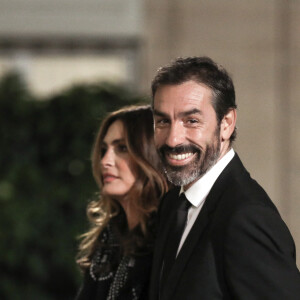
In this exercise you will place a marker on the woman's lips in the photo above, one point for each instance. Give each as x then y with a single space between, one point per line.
109 178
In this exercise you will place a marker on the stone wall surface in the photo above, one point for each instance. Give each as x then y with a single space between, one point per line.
258 42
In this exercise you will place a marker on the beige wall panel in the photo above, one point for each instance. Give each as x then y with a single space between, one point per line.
247 37
294 175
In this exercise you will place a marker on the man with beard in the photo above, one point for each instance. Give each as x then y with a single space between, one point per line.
219 236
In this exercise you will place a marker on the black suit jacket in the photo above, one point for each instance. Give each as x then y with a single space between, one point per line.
238 248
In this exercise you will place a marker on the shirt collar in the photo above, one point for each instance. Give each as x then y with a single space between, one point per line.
198 192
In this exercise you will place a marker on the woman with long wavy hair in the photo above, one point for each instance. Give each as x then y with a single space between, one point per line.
116 253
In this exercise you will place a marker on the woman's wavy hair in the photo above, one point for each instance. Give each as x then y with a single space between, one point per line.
150 184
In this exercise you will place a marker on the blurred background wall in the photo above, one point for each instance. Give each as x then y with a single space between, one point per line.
258 42
59 43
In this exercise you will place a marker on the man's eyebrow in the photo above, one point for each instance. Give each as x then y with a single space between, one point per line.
159 113
181 114
190 112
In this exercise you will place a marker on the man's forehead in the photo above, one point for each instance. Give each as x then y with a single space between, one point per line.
185 97
189 90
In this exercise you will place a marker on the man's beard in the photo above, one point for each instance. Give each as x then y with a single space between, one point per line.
201 163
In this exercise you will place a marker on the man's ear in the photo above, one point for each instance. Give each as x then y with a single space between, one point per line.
228 125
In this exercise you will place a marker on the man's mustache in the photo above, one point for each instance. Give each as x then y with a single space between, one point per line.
179 149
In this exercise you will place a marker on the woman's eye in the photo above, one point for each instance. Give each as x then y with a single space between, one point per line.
122 148
102 152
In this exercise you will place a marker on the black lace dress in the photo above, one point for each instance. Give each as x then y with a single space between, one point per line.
114 275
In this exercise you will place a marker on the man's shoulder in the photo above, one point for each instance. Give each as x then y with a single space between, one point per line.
235 189
245 203
243 191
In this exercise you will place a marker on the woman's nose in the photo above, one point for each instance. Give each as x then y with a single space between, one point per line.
108 158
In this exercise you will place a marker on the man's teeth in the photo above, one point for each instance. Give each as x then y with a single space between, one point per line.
180 156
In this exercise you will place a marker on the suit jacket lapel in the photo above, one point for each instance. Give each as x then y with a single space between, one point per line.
167 211
185 252
201 222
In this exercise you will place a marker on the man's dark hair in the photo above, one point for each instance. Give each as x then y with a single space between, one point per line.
202 70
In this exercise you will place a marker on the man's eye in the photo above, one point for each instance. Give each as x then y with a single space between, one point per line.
162 122
192 121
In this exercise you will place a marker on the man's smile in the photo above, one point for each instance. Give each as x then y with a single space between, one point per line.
180 159
180 156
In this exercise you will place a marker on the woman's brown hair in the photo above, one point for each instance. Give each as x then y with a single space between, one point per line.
150 184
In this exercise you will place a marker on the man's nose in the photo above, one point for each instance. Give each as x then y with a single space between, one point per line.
108 159
176 135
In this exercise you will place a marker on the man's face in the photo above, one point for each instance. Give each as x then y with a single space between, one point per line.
187 134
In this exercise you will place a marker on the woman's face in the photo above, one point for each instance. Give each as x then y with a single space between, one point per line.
118 174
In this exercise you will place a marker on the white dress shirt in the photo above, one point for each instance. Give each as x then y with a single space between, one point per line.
198 192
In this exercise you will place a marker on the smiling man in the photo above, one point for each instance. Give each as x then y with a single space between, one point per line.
220 236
